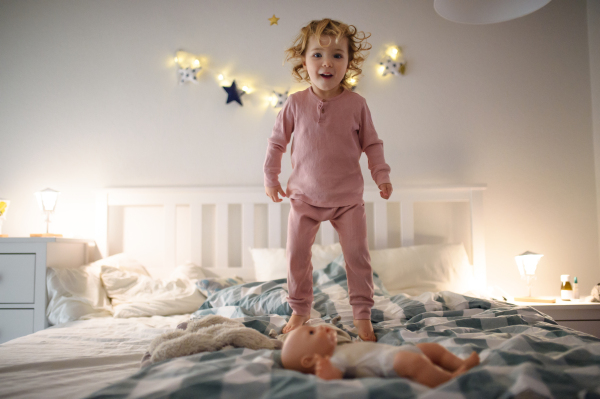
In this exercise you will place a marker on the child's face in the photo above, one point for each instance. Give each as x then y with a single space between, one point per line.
326 62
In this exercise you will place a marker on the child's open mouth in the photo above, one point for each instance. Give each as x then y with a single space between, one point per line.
326 76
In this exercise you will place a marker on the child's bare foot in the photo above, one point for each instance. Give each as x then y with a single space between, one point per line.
296 321
468 364
365 330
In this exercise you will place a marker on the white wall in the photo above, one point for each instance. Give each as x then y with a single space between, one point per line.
593 24
89 99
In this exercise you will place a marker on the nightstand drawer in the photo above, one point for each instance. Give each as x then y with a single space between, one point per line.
15 323
17 282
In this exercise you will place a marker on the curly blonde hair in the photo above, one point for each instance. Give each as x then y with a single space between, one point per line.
357 43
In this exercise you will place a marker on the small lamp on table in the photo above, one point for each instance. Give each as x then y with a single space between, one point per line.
47 201
527 263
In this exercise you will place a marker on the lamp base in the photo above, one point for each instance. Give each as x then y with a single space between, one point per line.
45 235
533 299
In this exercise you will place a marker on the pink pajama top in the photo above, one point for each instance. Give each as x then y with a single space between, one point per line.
329 138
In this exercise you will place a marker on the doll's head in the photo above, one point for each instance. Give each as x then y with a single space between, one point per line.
305 344
327 34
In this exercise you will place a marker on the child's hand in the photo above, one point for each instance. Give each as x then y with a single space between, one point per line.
325 370
386 190
273 191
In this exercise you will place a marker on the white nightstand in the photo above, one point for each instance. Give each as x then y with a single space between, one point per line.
23 263
581 316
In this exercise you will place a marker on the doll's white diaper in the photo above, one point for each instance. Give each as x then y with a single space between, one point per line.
368 359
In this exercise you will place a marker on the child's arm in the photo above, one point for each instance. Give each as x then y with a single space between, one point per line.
327 371
280 137
372 146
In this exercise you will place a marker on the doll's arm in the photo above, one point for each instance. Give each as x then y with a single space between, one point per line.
327 371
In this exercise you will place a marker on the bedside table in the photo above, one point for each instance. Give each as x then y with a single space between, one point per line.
23 263
581 316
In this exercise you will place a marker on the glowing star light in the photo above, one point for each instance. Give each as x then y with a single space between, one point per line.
188 66
234 94
273 20
394 63
188 75
278 99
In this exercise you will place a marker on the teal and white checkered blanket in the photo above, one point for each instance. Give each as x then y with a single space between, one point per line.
524 353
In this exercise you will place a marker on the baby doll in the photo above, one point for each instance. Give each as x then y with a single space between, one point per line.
314 350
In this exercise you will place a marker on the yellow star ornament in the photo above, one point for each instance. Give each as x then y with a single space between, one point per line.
274 20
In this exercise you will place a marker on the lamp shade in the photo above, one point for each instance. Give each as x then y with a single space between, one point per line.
527 263
486 11
47 199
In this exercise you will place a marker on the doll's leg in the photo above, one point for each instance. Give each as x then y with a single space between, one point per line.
446 359
302 230
440 356
419 368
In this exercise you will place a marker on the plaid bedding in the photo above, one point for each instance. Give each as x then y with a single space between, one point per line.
524 353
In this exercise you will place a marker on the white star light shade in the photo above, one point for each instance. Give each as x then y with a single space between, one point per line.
394 63
278 99
188 67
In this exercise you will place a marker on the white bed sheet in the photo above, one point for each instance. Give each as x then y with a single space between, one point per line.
75 359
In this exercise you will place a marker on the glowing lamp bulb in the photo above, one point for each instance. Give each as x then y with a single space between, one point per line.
352 81
196 62
176 60
381 69
245 89
220 77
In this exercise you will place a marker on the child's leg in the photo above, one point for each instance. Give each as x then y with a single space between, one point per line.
302 230
419 368
351 225
446 359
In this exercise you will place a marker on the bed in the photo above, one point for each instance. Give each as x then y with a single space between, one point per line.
181 237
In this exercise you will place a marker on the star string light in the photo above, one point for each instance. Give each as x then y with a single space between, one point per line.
234 94
394 64
278 99
273 20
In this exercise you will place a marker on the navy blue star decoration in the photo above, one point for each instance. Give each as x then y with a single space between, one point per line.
234 94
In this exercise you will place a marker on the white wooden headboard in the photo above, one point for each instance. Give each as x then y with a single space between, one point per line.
169 198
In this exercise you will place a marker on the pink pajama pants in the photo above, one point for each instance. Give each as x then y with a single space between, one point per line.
351 224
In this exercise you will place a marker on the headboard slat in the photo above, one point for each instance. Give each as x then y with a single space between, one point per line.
247 234
274 225
222 235
196 233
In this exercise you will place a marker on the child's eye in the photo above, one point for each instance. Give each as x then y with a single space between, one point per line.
317 55
339 56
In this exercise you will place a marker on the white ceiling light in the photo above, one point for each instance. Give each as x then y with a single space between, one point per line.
486 11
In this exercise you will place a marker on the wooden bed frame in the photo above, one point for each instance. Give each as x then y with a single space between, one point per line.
221 197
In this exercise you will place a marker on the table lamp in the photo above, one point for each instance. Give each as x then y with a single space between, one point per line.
3 208
527 263
47 201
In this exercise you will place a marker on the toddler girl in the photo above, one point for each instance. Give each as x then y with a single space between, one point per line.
332 126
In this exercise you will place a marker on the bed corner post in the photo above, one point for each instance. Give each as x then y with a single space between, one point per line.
477 237
101 231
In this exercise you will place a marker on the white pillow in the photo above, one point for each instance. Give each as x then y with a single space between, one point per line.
424 268
135 295
270 263
78 293
74 294
120 261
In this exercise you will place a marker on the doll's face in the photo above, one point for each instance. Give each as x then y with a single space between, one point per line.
326 62
305 344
